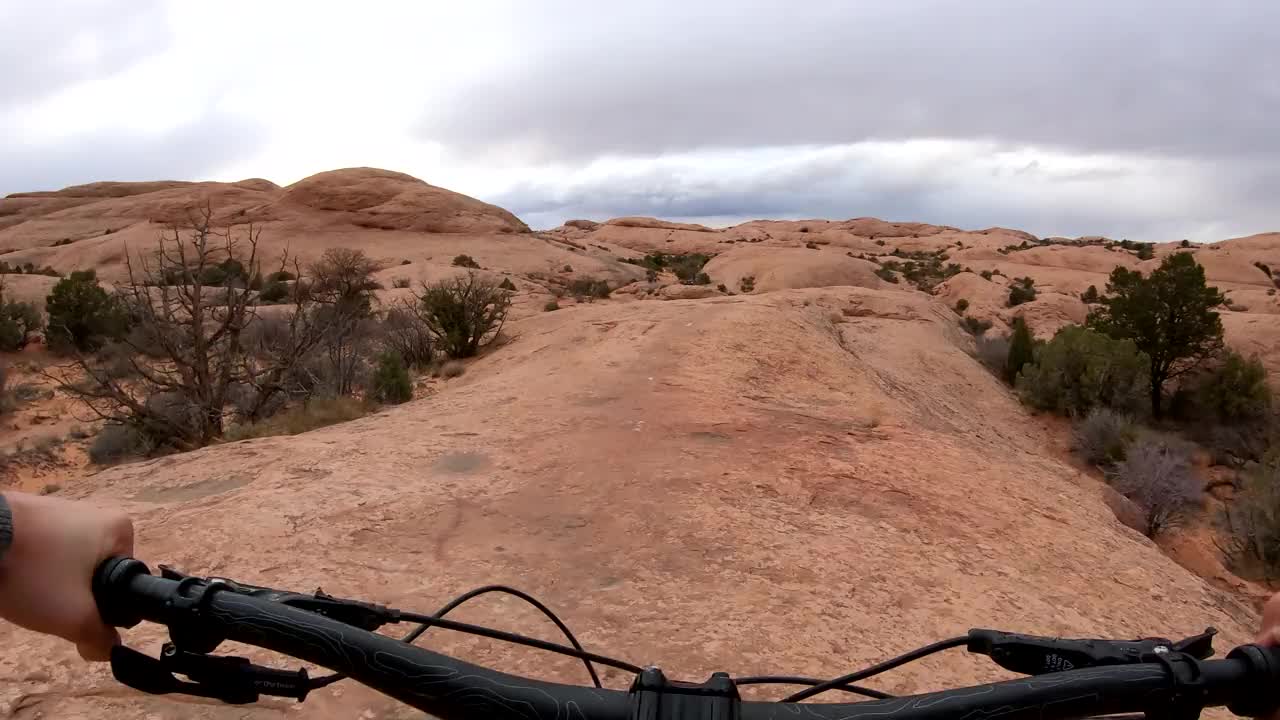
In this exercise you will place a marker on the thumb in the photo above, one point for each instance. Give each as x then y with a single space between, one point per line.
95 644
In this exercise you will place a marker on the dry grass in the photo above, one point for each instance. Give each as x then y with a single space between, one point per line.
316 413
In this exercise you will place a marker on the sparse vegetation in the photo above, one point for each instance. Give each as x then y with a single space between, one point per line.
1159 479
924 269
1080 369
1021 291
402 282
1252 521
1232 391
405 333
115 442
1091 296
1169 316
391 383
993 352
589 289
1022 346
273 292
811 245
82 315
313 413
975 326
464 313
466 261
747 284
887 275
550 306
19 321
961 305
506 284
452 369
1146 251
1103 436
986 274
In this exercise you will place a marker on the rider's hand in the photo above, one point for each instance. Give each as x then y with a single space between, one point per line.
46 574
1269 635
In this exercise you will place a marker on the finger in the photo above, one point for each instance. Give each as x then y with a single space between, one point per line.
97 648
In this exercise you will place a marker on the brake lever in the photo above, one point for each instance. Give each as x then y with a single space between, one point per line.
1035 655
363 615
232 680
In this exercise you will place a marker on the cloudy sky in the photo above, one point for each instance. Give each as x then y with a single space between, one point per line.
1147 119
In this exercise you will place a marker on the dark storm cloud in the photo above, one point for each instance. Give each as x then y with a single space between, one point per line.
187 152
54 44
1164 76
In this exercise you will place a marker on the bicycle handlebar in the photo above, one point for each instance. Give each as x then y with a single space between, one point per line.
202 612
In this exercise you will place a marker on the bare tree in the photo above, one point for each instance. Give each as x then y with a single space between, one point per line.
192 306
1160 480
342 288
464 313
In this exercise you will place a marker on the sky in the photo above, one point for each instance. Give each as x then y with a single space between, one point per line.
1146 119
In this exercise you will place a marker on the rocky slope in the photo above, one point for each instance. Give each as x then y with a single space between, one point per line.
802 479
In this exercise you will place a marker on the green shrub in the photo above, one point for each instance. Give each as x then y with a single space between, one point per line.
1023 290
273 292
390 383
1185 244
1103 436
975 326
466 261
18 322
880 243
1022 346
1233 391
281 276
506 284
550 306
1090 296
1080 369
747 283
961 305
688 268
1252 521
464 313
886 274
986 274
82 314
1146 251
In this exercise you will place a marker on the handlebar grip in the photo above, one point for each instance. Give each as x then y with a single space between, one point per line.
112 590
1260 694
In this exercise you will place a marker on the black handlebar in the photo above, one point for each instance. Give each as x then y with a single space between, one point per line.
202 612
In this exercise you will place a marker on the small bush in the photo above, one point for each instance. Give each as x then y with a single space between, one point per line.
391 383
567 269
407 335
506 284
464 313
400 282
281 276
1022 345
316 412
273 292
986 274
721 287
1159 479
405 262
114 443
82 314
18 322
1252 521
1091 295
688 268
1023 290
961 305
1103 436
975 326
550 306
115 361
466 261
1185 244
453 369
811 245
589 289
1233 391
1080 369
1146 251
747 284
887 275
880 243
